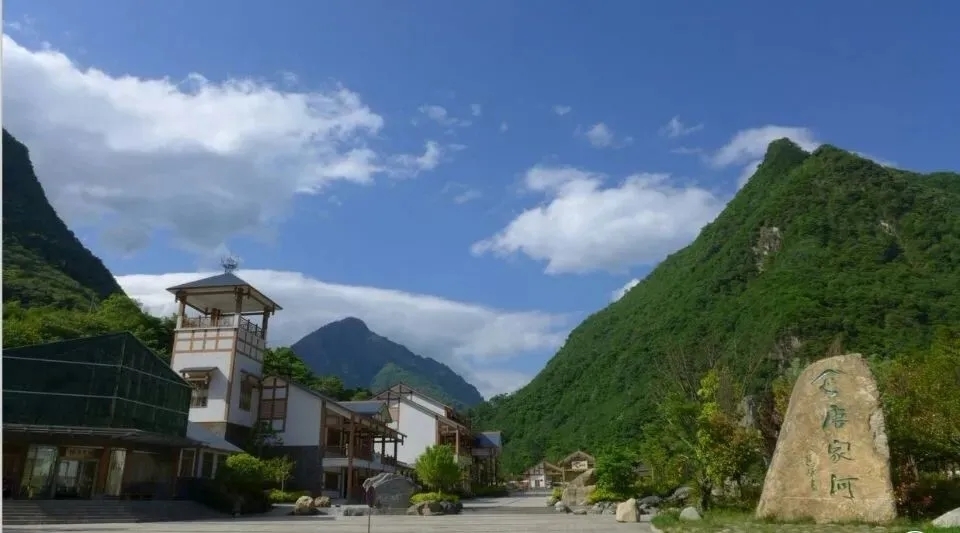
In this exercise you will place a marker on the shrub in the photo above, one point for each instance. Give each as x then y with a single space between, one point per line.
930 496
601 494
243 472
282 496
557 493
434 497
437 467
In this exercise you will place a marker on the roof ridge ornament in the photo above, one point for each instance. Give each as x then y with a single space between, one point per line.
230 263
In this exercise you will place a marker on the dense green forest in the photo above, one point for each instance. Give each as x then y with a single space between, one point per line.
363 359
816 250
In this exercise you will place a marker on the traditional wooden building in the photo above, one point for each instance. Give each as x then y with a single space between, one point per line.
575 464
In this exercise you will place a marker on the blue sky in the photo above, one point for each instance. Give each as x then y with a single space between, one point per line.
520 220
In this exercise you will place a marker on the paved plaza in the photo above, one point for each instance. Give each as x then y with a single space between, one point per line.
502 515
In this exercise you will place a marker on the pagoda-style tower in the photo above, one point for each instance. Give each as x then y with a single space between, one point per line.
219 349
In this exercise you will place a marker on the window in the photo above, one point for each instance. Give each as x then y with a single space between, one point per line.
206 465
273 403
246 393
187 458
199 394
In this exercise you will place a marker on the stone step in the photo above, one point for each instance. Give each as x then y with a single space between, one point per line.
23 512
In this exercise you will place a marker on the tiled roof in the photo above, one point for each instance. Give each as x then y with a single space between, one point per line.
227 279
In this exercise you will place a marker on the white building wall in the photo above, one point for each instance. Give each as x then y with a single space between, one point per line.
216 409
432 406
239 416
303 419
420 429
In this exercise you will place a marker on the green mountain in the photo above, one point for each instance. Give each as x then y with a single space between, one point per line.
43 261
54 288
361 358
816 249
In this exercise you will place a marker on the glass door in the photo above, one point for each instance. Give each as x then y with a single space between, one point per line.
38 472
75 478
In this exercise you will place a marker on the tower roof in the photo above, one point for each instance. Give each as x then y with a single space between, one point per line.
219 292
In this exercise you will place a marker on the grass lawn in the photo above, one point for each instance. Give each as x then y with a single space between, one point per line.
743 522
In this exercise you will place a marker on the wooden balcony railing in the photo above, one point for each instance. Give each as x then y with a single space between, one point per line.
226 321
340 451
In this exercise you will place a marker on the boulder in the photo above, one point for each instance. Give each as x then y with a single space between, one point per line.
627 511
321 502
551 501
689 514
561 507
682 494
579 489
304 506
832 462
948 519
392 491
579 511
650 501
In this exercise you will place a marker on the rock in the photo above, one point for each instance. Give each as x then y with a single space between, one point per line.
321 502
681 494
413 509
392 491
551 501
579 511
356 510
650 501
579 489
948 519
832 462
689 514
304 506
560 507
627 511
451 507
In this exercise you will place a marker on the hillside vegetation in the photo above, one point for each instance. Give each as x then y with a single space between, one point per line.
362 359
43 261
816 250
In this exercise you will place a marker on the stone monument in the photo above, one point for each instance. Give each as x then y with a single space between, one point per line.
832 462
392 491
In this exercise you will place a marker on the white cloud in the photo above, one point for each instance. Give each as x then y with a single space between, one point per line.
562 109
686 150
617 294
601 136
584 226
473 339
504 126
676 128
441 116
747 147
476 110
406 165
202 159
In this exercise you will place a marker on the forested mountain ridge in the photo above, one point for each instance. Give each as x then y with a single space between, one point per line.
54 288
43 261
816 248
361 358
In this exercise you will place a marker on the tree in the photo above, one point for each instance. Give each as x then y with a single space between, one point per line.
616 471
263 436
243 471
279 470
437 467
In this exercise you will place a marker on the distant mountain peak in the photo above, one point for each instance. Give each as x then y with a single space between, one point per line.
350 323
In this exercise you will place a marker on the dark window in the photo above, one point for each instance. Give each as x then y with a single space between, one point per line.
200 393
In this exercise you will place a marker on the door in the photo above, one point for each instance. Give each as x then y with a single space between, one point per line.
38 472
75 478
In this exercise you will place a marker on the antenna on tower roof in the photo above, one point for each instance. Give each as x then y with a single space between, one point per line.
229 264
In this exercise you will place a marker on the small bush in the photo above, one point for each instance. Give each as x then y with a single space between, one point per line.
434 497
557 493
930 496
603 495
282 496
243 471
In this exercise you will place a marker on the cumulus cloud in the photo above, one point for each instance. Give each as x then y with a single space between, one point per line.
676 128
476 110
504 126
460 193
585 226
199 158
473 339
617 294
601 136
562 109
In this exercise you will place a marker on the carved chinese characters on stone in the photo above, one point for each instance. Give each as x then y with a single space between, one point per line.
832 462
